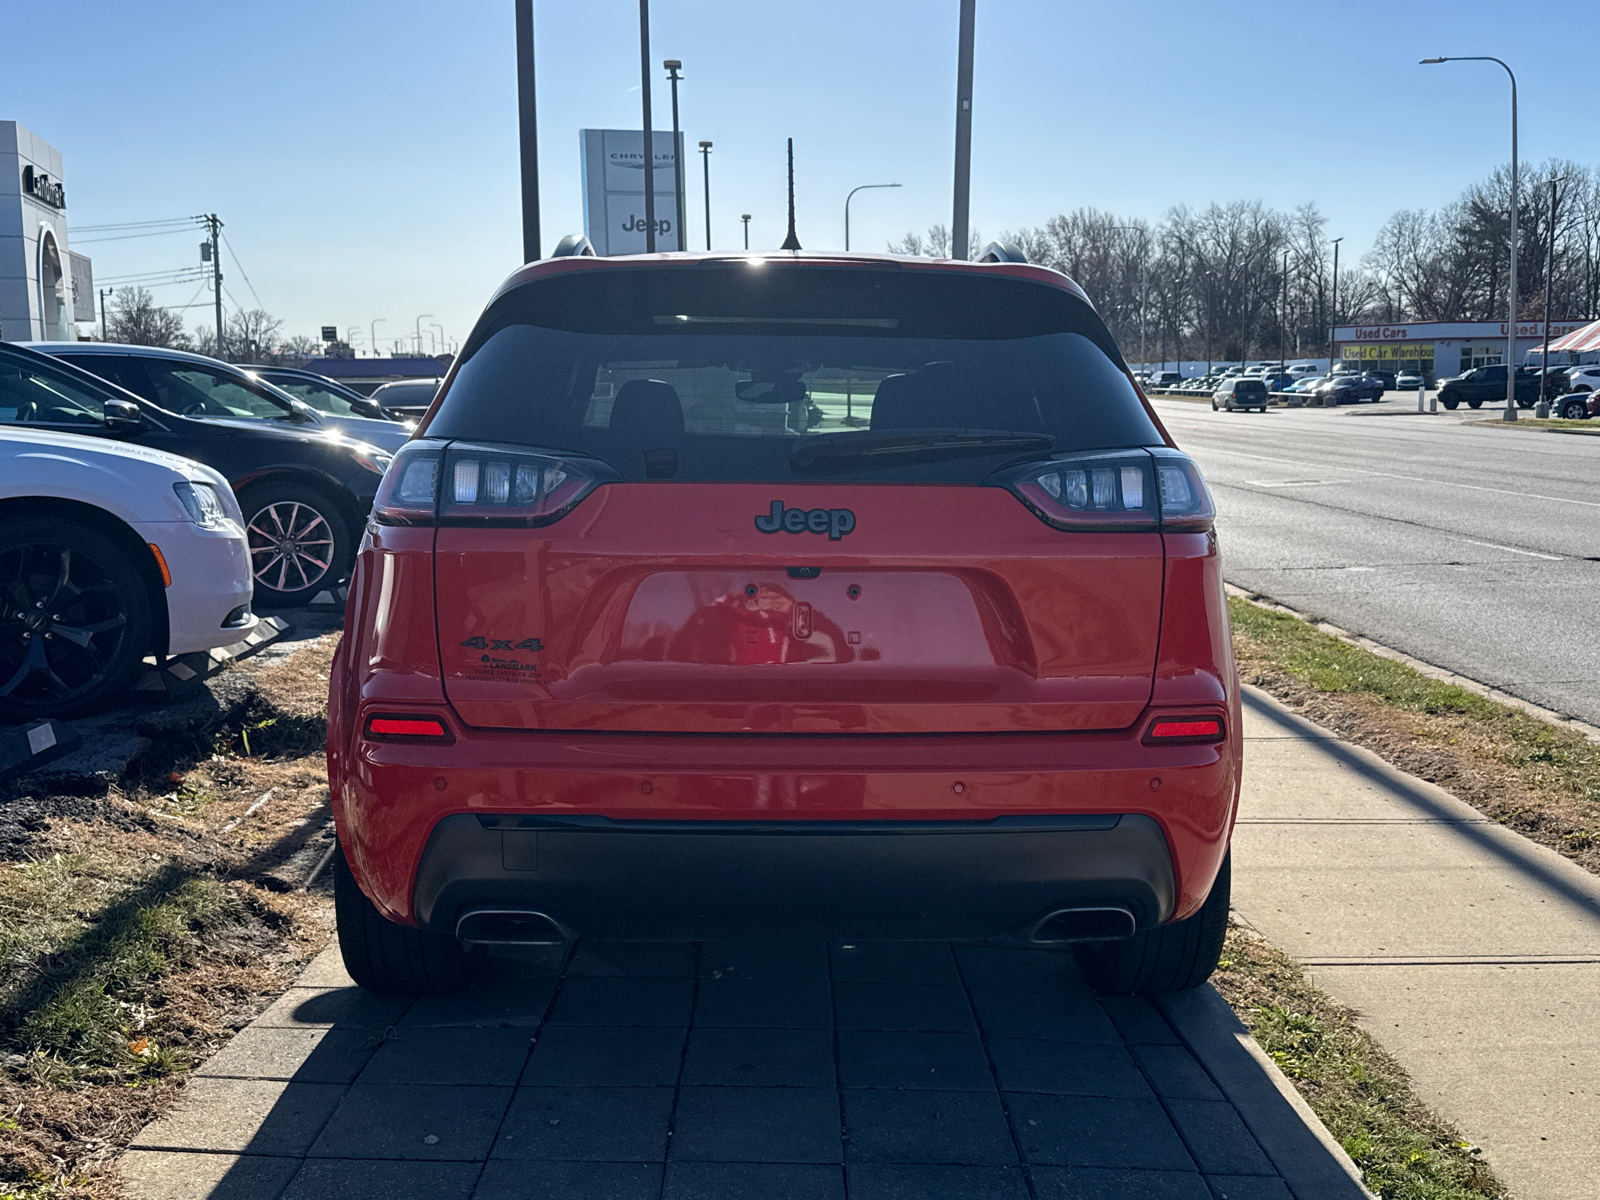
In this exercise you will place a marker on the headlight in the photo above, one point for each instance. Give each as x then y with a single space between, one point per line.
201 502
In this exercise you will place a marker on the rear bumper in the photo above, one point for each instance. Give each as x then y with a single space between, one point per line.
841 879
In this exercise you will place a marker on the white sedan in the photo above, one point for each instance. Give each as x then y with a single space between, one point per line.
108 553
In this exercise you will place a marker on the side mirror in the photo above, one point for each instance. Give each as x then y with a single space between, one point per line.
123 414
366 408
301 413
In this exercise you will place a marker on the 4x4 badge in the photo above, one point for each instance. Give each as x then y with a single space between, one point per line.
478 643
835 522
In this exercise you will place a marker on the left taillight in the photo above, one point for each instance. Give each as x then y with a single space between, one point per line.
463 483
407 727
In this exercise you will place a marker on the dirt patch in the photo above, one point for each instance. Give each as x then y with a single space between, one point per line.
1531 776
1360 1093
140 928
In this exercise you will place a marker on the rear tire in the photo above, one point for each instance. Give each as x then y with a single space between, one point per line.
1574 410
381 956
1168 958
299 542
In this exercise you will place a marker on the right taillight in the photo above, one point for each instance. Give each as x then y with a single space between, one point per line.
1184 731
462 483
1124 490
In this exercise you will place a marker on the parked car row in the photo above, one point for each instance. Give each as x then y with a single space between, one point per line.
152 499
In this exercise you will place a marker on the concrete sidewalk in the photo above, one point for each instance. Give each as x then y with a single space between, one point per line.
1472 953
638 1071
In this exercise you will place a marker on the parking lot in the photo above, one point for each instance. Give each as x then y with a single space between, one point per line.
709 1070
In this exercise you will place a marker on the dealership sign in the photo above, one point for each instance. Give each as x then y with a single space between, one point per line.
1417 330
613 190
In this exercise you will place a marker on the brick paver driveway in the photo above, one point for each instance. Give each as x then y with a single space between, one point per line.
685 1071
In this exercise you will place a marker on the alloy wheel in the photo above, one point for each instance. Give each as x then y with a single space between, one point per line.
63 621
291 546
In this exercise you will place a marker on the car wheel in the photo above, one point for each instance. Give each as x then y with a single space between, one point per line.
1213 404
1529 403
299 542
1168 958
381 956
1582 387
1574 410
1449 402
1473 404
74 619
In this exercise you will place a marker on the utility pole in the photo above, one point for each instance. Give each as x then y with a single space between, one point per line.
705 157
1549 278
528 133
649 146
745 217
104 292
1283 319
963 183
216 277
673 66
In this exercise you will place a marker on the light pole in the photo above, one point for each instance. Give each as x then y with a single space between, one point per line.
1333 314
443 342
745 217
963 173
853 191
673 66
649 146
374 330
1283 319
419 331
527 132
1511 319
705 155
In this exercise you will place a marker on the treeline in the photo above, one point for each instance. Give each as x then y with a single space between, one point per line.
253 336
1239 280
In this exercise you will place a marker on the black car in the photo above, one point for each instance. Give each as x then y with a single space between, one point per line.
1350 388
1488 384
321 393
304 495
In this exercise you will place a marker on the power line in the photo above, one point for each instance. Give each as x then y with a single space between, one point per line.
136 224
240 265
127 237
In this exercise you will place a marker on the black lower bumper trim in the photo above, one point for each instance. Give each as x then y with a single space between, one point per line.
712 879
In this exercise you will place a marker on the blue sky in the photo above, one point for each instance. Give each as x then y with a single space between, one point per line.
364 155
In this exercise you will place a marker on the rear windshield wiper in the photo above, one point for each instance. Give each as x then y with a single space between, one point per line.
833 453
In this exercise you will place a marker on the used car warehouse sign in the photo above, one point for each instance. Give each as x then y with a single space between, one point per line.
1450 329
1389 351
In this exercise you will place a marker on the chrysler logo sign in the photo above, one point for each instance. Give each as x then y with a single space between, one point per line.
41 187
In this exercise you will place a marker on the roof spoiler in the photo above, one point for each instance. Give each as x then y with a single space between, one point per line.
1002 252
574 245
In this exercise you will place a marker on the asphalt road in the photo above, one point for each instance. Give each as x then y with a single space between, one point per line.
1468 546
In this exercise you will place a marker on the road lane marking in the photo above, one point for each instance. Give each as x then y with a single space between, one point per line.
1283 483
1511 549
1471 487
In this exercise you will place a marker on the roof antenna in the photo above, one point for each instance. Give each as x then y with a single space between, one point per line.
791 242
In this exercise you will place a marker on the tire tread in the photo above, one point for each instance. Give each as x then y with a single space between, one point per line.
388 958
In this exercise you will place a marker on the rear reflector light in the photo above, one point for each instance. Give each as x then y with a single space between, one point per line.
472 484
389 727
1127 490
1184 730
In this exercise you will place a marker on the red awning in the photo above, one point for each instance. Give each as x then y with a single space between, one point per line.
1587 338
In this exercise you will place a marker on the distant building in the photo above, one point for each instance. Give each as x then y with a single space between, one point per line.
1440 348
44 287
365 374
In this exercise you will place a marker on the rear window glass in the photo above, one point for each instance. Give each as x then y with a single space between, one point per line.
742 372
1249 385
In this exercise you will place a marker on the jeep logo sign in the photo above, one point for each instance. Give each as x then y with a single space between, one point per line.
835 522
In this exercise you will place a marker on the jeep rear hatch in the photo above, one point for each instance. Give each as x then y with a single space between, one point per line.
783 498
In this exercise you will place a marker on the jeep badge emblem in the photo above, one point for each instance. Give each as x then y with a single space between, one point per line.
835 522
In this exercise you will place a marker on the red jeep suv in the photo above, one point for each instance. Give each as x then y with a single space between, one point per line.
792 595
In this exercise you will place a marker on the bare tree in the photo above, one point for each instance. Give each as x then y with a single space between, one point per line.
136 318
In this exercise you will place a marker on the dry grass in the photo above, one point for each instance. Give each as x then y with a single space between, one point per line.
140 929
1360 1093
1534 777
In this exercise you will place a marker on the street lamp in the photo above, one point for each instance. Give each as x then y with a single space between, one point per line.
745 217
853 191
1334 307
1511 320
374 328
443 343
705 155
1283 319
673 66
419 331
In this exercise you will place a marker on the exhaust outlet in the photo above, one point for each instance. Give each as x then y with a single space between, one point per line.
1083 925
505 927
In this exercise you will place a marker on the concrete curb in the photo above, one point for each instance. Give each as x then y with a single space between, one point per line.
1442 674
1313 1165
